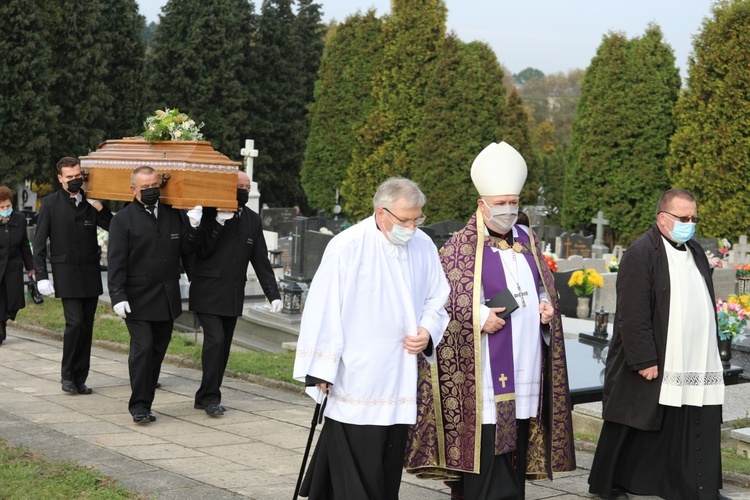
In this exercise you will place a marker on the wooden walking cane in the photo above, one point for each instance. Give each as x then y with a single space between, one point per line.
317 418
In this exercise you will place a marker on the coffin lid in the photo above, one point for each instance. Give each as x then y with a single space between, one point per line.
132 152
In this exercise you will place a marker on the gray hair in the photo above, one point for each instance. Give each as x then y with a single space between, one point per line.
398 188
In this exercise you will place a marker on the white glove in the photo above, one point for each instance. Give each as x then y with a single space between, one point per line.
122 309
276 306
195 215
222 217
45 287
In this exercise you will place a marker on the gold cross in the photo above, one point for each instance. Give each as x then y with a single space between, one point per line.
503 379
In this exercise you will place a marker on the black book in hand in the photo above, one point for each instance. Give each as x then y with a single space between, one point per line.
504 299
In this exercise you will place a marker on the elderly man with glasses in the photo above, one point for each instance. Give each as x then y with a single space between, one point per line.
664 384
375 306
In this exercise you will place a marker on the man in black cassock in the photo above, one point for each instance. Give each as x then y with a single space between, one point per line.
664 385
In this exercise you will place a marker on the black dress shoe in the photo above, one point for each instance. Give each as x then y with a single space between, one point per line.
214 410
69 386
151 416
142 418
2 333
199 406
158 384
83 389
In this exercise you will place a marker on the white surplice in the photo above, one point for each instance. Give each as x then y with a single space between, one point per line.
366 297
693 374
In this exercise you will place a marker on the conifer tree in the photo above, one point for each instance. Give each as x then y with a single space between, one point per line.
710 150
343 101
284 63
464 111
199 65
27 117
80 64
620 136
412 35
123 25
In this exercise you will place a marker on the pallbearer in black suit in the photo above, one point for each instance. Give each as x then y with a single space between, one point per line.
217 290
146 241
15 255
69 221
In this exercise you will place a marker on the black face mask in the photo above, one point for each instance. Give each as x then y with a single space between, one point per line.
150 196
75 185
242 196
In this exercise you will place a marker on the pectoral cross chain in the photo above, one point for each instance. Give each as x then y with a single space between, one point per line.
520 295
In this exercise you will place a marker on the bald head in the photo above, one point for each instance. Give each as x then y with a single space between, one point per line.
243 181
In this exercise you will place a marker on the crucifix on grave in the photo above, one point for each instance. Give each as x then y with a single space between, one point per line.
248 153
598 249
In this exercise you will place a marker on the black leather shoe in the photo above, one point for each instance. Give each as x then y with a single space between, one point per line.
2 333
199 406
214 410
151 416
69 386
83 389
158 384
142 418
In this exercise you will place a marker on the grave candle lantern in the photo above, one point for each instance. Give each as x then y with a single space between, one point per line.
600 323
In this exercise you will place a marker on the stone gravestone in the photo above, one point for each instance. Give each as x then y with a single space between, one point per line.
740 253
285 245
444 230
550 234
278 220
574 244
709 245
315 244
599 248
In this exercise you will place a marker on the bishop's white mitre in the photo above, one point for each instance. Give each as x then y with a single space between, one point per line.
499 170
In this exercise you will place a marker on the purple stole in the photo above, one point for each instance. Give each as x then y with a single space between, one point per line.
501 342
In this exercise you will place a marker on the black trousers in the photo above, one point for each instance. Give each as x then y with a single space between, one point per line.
501 477
79 330
217 342
360 462
148 345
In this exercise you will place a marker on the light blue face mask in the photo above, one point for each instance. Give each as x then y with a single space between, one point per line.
682 231
6 213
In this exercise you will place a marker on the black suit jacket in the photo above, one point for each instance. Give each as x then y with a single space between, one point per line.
143 260
15 255
74 249
219 271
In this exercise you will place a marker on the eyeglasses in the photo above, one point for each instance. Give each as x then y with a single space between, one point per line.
684 218
406 222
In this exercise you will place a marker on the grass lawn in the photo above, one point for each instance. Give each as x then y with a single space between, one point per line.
25 475
110 327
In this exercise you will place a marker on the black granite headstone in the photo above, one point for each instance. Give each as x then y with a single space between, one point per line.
710 245
278 220
574 244
315 245
568 298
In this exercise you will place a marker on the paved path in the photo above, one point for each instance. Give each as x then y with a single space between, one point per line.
253 451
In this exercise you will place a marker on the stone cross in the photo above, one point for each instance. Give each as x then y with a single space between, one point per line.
249 152
740 251
598 249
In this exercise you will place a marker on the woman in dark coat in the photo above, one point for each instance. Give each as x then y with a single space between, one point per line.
15 255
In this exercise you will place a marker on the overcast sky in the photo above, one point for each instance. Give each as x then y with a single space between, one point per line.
550 35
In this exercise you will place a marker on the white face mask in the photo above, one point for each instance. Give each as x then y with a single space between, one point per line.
503 217
400 235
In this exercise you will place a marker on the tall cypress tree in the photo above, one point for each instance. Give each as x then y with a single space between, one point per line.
122 25
412 36
619 141
710 151
343 101
199 64
464 111
27 117
283 64
80 65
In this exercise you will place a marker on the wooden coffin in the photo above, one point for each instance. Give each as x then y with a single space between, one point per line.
193 172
